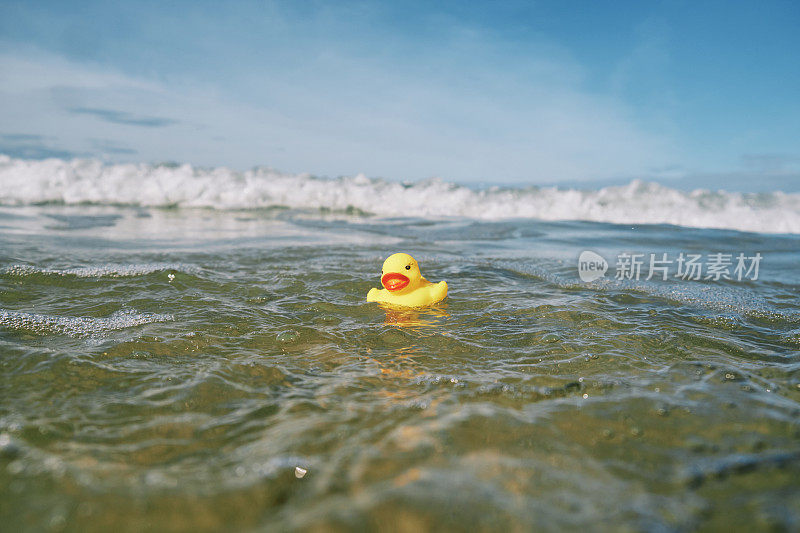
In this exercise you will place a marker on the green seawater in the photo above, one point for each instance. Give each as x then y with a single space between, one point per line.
200 370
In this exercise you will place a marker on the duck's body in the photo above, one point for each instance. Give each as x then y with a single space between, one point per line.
426 293
405 286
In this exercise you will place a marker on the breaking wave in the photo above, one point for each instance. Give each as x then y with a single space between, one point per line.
91 181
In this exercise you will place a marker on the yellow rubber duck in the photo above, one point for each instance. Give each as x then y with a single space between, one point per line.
405 285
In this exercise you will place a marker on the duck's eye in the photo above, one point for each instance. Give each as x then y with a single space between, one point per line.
408 267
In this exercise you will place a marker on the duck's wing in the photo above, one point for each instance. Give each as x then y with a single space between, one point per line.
439 291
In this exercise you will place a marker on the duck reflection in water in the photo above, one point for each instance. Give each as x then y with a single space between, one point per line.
399 363
415 319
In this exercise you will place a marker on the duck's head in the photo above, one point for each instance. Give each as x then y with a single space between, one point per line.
400 271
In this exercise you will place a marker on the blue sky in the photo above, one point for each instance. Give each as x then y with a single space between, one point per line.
534 92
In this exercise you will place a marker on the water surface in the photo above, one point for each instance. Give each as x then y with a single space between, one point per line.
169 369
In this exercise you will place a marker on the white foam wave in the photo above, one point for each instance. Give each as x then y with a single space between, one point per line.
99 271
79 327
86 180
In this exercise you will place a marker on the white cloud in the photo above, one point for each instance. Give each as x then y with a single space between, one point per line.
342 115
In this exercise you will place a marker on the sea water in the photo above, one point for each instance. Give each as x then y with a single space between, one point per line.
190 349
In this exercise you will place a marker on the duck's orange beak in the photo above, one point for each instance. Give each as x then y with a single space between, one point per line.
394 281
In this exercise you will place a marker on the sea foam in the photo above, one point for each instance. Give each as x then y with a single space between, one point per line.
78 326
99 271
91 181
